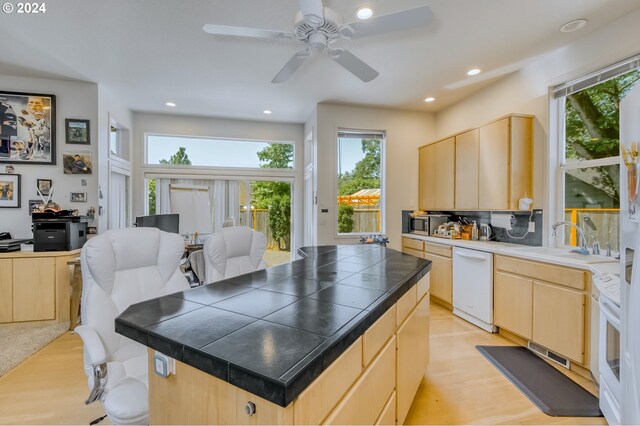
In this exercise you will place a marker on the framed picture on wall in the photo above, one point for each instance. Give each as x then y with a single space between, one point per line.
9 190
28 133
77 131
35 206
77 163
78 197
44 186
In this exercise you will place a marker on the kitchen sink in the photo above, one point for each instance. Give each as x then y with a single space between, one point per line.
566 254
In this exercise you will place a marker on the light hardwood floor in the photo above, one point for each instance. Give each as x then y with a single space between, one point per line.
460 386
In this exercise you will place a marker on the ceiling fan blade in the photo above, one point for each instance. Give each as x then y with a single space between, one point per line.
312 11
353 64
290 67
398 21
225 30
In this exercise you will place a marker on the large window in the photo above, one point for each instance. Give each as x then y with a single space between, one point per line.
213 152
360 182
590 153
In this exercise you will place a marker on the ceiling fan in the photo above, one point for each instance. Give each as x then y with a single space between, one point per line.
321 29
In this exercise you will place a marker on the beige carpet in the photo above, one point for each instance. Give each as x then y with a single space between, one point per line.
19 341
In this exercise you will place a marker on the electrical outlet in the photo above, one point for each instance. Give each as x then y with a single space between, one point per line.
532 227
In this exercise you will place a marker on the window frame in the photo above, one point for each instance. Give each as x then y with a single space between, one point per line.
383 145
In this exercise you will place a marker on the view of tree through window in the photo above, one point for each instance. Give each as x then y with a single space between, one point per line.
592 131
359 182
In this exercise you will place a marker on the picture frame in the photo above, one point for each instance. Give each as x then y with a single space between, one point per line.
77 163
78 197
9 190
35 206
44 186
78 131
28 128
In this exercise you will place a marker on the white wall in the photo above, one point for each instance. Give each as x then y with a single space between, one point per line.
74 100
527 92
405 132
214 127
109 108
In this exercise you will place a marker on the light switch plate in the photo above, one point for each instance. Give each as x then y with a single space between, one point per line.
163 365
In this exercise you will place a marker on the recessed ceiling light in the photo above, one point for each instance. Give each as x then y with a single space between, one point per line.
430 99
574 25
170 104
364 13
266 111
474 71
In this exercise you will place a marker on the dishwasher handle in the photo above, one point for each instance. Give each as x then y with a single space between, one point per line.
471 256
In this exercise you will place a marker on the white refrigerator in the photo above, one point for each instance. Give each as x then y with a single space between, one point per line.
630 262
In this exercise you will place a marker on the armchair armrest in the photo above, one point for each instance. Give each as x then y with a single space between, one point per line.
92 344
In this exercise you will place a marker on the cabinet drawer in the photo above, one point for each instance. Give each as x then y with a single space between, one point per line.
377 335
405 304
367 398
439 249
568 277
388 415
317 400
412 252
412 243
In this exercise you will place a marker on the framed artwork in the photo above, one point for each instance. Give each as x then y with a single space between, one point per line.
44 186
28 128
77 163
9 190
77 131
78 197
35 206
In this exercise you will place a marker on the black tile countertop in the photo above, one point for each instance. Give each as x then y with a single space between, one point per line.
272 332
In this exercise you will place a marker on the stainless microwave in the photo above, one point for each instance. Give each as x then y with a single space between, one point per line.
426 224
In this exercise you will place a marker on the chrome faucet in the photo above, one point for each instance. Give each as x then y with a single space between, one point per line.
583 240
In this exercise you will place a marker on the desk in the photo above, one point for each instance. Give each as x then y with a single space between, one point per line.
34 287
312 341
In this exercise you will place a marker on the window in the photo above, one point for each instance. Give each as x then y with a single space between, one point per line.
590 152
213 152
360 182
114 140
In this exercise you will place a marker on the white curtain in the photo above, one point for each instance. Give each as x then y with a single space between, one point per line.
117 201
163 198
234 200
220 203
193 204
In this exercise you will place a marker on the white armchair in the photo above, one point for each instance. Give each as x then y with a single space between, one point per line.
119 268
233 251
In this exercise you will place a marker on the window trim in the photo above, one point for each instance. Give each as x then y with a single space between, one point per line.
145 151
383 162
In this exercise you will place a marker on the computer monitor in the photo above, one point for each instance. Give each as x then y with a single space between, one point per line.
164 222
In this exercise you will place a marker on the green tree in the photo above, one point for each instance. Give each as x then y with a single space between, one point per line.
180 157
366 172
592 127
345 218
276 196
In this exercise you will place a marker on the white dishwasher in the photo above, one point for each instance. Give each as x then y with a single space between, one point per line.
473 287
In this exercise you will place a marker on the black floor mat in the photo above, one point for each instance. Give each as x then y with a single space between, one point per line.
550 390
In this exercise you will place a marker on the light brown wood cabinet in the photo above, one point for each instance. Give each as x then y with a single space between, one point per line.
544 303
487 168
440 255
437 176
467 170
35 286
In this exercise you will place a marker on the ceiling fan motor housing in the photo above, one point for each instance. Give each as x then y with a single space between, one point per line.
329 28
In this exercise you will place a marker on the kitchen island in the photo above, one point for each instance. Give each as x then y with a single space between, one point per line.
339 337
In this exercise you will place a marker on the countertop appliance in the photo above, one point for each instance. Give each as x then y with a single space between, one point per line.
473 287
629 261
426 224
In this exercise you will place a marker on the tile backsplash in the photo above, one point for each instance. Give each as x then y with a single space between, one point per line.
519 223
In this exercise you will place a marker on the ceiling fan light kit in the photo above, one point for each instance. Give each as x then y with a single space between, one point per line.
320 27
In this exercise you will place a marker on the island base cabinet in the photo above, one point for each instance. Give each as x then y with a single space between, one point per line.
413 357
558 320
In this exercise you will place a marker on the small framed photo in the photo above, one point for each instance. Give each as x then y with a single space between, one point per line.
35 206
78 131
9 190
77 163
44 186
78 197
92 230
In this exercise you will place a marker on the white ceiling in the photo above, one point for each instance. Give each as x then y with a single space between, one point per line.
147 52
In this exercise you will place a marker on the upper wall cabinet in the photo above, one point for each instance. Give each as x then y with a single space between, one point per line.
437 176
488 168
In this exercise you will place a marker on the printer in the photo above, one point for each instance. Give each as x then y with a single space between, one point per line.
58 231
